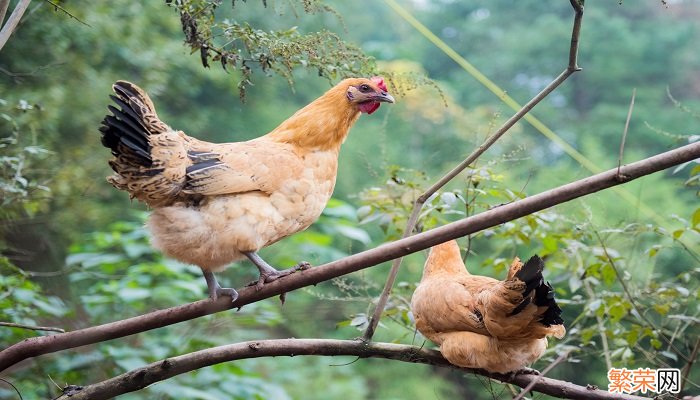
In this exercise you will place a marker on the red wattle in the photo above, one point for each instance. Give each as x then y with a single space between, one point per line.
368 107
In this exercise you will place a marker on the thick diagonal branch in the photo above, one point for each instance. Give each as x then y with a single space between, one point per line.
47 344
418 205
170 367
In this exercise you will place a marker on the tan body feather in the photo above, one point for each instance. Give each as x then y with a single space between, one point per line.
282 193
468 316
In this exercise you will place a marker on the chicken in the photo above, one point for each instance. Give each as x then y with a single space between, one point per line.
481 322
217 203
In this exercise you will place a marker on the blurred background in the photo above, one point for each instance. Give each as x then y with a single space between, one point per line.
75 253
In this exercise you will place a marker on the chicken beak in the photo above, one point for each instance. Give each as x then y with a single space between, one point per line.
384 97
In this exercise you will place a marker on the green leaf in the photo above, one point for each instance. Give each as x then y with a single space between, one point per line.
594 305
339 209
695 220
632 337
575 283
616 312
608 273
653 250
662 309
550 244
354 233
131 294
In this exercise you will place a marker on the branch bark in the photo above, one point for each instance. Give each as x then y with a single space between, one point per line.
9 27
170 367
420 202
48 344
4 4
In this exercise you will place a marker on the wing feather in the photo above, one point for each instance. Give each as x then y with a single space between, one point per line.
230 168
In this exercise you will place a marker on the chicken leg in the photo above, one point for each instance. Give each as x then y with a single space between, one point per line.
268 273
215 290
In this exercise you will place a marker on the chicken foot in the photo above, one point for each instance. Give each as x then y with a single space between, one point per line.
523 371
215 290
268 273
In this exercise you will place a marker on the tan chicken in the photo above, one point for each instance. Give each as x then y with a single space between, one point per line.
217 203
481 322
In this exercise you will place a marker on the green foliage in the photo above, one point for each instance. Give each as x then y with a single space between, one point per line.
21 184
241 46
647 314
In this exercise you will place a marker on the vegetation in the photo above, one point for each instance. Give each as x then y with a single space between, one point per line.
626 266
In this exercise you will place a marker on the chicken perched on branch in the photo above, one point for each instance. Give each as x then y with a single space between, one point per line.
217 203
481 322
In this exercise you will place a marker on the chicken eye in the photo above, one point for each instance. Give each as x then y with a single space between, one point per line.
364 88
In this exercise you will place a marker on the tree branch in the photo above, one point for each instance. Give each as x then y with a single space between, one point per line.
418 205
48 344
169 367
4 4
12 22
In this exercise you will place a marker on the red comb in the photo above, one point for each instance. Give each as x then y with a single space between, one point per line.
380 82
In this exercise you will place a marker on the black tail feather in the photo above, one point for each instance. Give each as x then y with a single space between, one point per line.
544 296
124 131
531 274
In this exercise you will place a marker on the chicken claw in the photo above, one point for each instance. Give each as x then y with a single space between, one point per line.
268 273
524 371
215 290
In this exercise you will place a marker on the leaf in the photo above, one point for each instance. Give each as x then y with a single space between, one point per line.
668 354
575 283
662 309
683 291
608 273
653 250
616 312
632 337
354 233
131 294
594 305
550 244
695 219
359 321
339 209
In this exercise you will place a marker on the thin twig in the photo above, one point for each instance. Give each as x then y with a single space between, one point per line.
170 367
9 27
10 383
31 73
157 319
58 7
32 327
418 205
601 328
562 357
624 132
628 294
689 365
